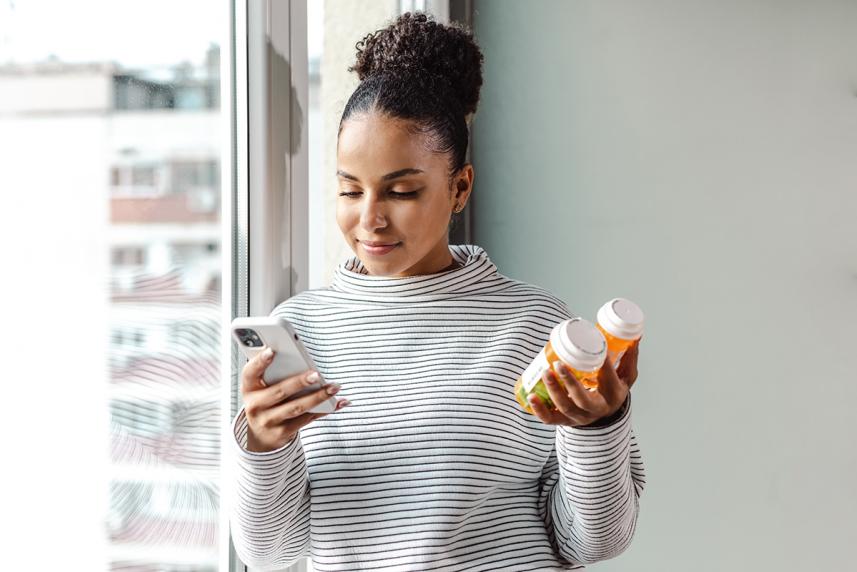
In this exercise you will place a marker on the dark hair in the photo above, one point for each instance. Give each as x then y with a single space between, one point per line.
419 70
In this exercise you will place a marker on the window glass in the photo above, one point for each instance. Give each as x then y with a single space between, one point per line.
132 89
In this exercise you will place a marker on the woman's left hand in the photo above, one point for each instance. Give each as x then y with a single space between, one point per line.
581 406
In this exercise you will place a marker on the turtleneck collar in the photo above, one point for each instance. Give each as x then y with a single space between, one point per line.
475 274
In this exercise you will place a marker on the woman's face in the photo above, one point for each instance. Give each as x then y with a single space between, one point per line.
394 190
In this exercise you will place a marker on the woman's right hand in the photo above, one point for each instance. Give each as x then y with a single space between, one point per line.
273 418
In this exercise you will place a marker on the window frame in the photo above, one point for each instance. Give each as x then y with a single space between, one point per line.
264 185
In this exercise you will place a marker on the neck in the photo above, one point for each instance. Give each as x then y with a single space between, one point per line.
453 265
440 259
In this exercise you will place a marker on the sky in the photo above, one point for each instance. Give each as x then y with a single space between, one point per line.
135 33
132 32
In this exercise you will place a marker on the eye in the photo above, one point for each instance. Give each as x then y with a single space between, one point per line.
349 191
395 194
403 195
407 194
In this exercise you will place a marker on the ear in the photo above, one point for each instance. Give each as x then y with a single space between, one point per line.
464 182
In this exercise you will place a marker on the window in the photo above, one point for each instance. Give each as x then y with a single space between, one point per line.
115 125
191 174
140 179
118 143
128 256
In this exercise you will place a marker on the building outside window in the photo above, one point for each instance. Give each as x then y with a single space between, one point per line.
144 126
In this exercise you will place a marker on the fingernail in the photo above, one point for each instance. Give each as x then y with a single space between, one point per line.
332 388
558 367
343 403
267 354
314 377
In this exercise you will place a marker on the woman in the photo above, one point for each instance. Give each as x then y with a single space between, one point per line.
433 466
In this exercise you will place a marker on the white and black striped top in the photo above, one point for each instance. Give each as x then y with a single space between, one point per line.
434 466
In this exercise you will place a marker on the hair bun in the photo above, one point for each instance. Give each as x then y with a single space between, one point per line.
415 45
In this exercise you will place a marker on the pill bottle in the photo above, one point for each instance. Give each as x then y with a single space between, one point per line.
621 322
575 342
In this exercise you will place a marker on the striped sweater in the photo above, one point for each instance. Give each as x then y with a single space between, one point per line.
434 466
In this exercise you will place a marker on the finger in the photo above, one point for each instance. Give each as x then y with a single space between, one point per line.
342 404
560 392
611 388
299 405
586 399
281 391
628 366
251 374
296 423
541 411
627 358
593 402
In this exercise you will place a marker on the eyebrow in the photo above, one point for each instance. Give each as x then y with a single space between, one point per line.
387 177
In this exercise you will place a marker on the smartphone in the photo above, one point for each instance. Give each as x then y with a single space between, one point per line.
254 334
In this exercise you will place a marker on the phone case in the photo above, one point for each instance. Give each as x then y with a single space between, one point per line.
290 356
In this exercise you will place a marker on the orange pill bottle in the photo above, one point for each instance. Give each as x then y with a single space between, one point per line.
621 322
575 342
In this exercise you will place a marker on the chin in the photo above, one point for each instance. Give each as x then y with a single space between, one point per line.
384 267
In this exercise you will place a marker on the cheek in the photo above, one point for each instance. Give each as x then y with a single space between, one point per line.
415 217
344 216
438 212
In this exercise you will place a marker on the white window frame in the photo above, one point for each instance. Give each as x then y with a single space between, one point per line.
265 235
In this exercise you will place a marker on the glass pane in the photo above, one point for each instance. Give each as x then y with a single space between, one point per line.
139 85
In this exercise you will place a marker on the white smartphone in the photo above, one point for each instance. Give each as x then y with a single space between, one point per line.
254 334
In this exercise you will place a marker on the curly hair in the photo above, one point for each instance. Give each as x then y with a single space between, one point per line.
419 70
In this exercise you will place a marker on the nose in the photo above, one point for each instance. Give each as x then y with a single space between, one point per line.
372 215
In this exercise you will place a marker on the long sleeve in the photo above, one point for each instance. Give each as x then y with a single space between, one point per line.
589 490
435 465
269 502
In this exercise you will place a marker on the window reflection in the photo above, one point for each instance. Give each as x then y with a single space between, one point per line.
165 282
155 161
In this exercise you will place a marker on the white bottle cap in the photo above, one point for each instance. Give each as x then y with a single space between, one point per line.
621 318
579 344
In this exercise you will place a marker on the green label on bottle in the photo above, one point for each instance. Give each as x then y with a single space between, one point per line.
533 374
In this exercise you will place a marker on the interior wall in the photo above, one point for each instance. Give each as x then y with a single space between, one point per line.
701 159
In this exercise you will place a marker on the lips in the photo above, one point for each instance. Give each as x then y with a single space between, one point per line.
382 248
375 243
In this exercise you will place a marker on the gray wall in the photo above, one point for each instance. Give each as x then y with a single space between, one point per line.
701 159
